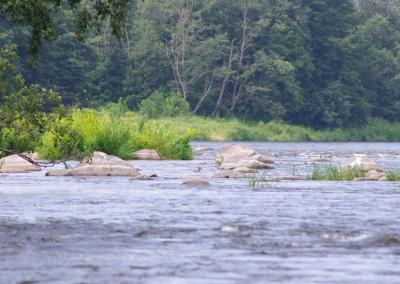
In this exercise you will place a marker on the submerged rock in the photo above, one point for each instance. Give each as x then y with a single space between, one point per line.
232 174
100 165
320 159
17 164
146 154
202 150
244 170
292 178
196 181
143 178
58 173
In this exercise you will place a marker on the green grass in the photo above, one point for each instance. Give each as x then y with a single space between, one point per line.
119 132
218 129
120 135
332 173
393 175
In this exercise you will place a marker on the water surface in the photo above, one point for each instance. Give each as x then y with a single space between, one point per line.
117 230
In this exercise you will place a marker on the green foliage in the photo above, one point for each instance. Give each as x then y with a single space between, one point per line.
162 104
63 143
121 135
318 63
13 140
393 175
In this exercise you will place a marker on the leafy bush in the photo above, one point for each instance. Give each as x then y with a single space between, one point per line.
167 143
153 106
63 143
161 104
16 140
175 106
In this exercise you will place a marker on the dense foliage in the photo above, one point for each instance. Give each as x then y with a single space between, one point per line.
319 63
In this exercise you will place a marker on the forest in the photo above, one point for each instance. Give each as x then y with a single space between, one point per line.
317 63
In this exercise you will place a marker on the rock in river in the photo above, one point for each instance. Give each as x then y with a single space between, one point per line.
237 161
196 181
17 164
146 154
100 165
362 162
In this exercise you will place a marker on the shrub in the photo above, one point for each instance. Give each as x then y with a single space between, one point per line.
167 143
64 142
18 141
175 106
153 106
161 104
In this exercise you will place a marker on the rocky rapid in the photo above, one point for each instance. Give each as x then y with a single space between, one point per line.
73 229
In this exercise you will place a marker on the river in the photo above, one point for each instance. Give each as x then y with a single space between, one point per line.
118 230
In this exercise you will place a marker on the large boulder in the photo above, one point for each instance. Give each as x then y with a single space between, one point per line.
17 164
233 154
361 162
101 164
238 161
146 154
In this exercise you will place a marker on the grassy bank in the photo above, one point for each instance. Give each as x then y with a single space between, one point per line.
115 134
119 132
216 129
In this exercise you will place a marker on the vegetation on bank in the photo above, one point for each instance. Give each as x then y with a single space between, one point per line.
115 135
223 129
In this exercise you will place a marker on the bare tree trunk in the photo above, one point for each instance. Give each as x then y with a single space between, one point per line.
177 48
224 82
207 90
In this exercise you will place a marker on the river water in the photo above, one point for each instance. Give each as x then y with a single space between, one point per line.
117 230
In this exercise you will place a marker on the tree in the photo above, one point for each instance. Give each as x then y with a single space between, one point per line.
39 15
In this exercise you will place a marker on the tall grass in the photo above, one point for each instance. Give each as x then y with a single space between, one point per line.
217 129
331 173
120 135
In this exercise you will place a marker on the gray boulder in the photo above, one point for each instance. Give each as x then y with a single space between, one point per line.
233 154
196 181
146 154
101 164
17 164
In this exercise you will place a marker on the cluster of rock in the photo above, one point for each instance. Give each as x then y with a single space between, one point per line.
239 161
235 161
370 169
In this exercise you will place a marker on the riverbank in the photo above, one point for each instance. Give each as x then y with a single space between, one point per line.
219 129
119 132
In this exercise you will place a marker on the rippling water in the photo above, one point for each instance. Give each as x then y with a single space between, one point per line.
117 230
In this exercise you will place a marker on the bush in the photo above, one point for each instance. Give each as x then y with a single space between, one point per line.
63 143
153 106
175 106
166 142
17 141
161 104
104 132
